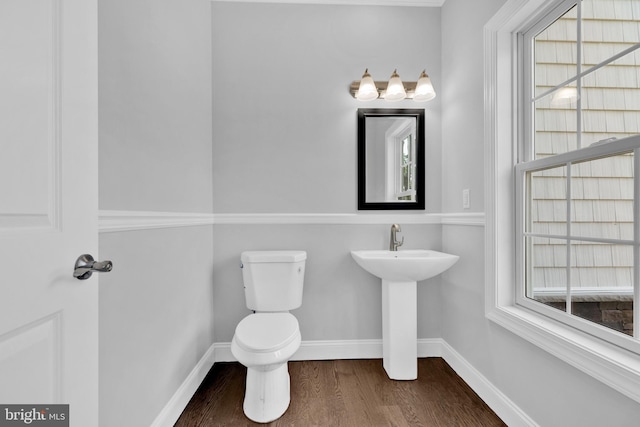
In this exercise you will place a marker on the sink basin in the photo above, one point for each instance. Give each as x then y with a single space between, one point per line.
400 271
411 265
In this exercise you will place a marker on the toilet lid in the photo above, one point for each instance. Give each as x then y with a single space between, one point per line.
265 332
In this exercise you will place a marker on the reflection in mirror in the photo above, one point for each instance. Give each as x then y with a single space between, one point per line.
390 159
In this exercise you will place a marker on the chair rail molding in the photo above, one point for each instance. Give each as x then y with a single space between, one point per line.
111 221
117 221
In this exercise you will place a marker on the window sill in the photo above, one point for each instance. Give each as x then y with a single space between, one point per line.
612 365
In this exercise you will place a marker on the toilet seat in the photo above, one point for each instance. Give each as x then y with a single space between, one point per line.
266 332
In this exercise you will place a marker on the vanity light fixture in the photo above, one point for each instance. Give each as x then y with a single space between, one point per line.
367 89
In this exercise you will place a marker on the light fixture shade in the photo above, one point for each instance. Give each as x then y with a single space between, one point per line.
395 88
564 96
424 89
367 90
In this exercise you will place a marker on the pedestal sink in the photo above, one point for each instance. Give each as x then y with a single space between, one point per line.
400 271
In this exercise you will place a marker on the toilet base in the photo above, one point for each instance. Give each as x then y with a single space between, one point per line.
267 393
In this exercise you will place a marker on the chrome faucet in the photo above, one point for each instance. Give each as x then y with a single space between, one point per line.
393 242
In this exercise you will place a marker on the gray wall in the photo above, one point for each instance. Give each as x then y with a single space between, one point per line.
547 389
155 105
284 123
156 319
341 301
156 306
284 141
463 102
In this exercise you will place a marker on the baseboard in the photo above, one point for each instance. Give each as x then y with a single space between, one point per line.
173 409
508 411
319 350
339 349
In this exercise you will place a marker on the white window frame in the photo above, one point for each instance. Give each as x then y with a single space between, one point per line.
611 364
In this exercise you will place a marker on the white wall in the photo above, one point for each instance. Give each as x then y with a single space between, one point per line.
285 141
550 391
156 306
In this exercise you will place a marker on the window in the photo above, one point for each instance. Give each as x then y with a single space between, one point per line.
562 227
407 169
401 160
578 245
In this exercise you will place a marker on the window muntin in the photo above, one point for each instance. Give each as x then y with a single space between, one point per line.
578 235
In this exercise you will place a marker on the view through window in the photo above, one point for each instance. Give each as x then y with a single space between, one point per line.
580 234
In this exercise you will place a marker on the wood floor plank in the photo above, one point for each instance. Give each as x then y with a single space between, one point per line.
346 393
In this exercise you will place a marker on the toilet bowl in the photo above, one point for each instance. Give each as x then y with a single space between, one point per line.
264 342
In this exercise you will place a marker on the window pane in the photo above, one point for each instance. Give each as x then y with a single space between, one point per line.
556 124
546 271
547 202
611 100
405 178
609 97
602 284
608 28
555 53
407 150
555 115
602 198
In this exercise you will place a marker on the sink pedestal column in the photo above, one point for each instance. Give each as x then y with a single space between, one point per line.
400 329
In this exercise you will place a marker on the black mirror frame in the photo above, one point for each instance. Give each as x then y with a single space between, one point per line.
419 204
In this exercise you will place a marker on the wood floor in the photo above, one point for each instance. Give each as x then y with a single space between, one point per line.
349 393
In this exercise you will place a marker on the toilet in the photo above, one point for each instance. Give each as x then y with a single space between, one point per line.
265 340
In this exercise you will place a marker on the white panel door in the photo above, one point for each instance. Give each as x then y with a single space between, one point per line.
48 204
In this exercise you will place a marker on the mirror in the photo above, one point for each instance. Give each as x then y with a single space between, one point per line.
390 159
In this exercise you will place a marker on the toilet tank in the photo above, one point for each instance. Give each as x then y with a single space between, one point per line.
273 280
